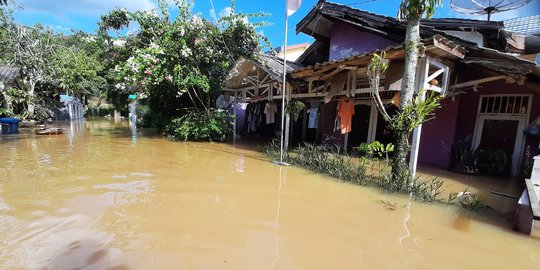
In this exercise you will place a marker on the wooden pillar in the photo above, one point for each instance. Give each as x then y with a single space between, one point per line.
417 133
304 123
235 118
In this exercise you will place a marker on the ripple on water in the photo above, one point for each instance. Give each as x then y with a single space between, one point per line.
61 243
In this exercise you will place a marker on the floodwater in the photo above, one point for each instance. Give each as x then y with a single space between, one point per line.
104 197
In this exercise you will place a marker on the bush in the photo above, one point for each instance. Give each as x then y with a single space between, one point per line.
365 171
206 125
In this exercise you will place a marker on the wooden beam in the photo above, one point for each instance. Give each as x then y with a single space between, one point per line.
330 75
322 94
533 199
477 82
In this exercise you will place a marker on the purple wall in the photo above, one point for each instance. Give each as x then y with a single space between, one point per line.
240 113
460 116
326 124
438 134
346 41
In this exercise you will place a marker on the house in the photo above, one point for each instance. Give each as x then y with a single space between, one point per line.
73 109
256 81
293 51
492 95
8 78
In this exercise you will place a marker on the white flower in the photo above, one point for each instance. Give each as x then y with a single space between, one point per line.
196 20
186 52
119 42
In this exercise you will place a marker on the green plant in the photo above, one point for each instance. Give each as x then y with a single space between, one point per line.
467 200
497 162
203 125
376 148
327 160
294 107
463 158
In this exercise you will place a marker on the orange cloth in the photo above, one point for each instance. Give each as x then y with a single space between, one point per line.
345 112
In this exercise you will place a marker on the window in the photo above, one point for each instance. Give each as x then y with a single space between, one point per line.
504 105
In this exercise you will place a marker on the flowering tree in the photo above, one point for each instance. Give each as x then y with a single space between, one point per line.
171 58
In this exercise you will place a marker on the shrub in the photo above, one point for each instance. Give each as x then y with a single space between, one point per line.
367 171
205 125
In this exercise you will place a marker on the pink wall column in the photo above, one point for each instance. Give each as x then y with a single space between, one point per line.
438 134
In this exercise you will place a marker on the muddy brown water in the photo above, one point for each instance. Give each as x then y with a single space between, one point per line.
104 197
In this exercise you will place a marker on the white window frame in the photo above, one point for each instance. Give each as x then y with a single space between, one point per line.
523 120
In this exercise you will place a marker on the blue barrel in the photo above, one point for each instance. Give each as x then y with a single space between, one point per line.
10 125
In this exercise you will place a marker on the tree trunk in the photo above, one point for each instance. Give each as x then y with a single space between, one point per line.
400 170
412 41
31 88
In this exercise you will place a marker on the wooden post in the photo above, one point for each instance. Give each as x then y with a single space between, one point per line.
304 123
234 123
415 146
346 143
286 132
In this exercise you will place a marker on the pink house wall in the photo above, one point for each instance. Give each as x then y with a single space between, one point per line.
460 116
438 134
347 40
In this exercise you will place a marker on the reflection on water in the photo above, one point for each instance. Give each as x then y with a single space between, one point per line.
106 196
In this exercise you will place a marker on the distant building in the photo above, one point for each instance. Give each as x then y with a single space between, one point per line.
73 109
293 51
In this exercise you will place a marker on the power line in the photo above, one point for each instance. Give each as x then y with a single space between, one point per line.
361 2
229 52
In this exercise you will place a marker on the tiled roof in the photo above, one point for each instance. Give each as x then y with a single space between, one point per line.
526 25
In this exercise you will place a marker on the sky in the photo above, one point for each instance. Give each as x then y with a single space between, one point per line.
63 15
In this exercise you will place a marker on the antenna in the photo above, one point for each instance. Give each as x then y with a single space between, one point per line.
486 7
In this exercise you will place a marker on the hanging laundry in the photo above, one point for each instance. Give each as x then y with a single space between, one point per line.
345 113
270 110
313 110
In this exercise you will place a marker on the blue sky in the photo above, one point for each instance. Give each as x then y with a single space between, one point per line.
63 15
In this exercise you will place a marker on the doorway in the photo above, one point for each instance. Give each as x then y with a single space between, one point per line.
500 122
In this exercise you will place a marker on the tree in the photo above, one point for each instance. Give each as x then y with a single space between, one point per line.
31 48
412 111
171 60
410 11
77 65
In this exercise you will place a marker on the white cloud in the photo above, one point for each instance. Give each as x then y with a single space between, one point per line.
226 11
61 28
83 7
213 14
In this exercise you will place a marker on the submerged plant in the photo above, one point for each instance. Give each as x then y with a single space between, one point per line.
467 200
328 160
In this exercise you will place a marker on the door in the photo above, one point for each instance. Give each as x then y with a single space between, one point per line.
501 119
502 135
360 125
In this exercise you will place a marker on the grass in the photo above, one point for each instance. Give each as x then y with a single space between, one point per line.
364 171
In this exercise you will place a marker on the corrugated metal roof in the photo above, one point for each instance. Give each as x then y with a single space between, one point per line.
8 73
529 25
273 64
244 69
